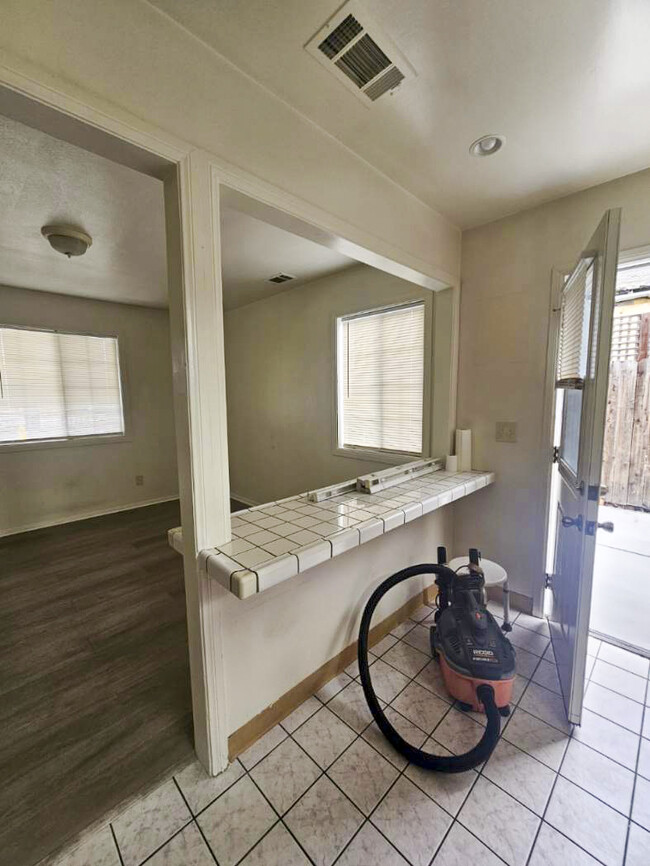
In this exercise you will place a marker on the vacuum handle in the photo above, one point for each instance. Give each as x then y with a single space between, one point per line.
442 555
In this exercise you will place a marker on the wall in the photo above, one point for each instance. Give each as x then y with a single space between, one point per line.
53 484
274 640
280 362
130 62
506 281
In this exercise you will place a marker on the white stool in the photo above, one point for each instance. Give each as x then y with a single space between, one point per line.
495 575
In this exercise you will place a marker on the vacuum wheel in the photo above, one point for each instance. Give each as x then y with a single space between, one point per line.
466 708
504 712
506 627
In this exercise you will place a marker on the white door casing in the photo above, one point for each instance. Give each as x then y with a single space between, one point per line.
587 307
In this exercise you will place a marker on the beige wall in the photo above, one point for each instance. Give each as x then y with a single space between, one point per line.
506 280
280 366
274 640
51 484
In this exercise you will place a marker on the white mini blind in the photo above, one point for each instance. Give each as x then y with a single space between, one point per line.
58 386
574 327
381 379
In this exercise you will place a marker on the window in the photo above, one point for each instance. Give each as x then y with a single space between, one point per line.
58 386
380 375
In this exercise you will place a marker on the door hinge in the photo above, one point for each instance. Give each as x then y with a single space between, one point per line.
556 454
548 581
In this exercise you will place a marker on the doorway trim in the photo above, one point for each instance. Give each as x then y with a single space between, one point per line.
192 187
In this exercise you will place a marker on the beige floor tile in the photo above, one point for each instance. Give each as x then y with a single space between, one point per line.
524 778
370 847
350 705
618 680
500 822
589 823
363 775
552 847
200 789
386 680
612 740
333 687
324 736
406 659
235 822
599 775
277 847
447 789
187 847
638 847
149 822
420 706
262 747
641 804
96 848
412 821
284 775
542 741
460 848
615 707
301 714
407 730
323 821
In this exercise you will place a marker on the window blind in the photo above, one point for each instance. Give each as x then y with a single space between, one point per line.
574 327
58 386
381 379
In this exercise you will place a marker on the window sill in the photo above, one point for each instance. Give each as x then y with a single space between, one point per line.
394 458
47 444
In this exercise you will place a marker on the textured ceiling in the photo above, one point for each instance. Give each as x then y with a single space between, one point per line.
566 81
44 180
252 251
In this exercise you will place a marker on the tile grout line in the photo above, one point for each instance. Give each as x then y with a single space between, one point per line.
117 847
636 776
198 826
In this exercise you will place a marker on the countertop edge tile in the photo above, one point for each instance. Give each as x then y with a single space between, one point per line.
434 491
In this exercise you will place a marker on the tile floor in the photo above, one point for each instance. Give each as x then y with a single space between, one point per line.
324 787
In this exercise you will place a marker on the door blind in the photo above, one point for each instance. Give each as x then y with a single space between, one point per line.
381 379
58 386
574 327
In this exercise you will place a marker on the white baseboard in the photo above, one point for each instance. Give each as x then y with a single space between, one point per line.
244 499
85 515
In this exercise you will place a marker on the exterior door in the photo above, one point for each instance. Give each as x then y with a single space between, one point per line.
587 305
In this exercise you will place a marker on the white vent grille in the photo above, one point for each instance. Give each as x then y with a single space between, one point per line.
361 56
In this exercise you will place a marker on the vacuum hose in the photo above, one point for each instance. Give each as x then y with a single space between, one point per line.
442 763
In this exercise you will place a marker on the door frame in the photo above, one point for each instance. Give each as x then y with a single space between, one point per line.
192 192
558 277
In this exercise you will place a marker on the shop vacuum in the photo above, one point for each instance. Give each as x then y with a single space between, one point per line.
476 659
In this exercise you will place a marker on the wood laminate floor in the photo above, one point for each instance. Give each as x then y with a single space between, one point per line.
95 698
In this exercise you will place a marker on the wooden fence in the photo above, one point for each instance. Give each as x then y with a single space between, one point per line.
626 453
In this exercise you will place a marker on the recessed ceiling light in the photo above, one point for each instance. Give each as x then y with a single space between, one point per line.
486 145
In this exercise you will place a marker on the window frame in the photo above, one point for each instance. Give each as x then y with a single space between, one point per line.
375 455
89 439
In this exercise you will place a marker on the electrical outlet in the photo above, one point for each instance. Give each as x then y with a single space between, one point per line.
139 480
506 431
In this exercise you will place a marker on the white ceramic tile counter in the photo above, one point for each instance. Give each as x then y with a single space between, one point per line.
273 542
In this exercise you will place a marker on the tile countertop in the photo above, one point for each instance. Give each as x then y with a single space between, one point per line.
273 542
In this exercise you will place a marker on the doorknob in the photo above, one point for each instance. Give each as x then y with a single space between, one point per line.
608 526
573 521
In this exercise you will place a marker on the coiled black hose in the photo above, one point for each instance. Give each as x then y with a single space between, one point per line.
485 693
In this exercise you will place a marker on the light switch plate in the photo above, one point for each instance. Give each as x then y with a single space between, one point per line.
506 431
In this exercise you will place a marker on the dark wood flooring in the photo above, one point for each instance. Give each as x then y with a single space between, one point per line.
94 674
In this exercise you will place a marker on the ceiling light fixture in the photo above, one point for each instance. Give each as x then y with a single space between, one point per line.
486 145
68 240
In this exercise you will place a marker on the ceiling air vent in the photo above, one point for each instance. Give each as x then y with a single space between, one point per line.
354 49
281 278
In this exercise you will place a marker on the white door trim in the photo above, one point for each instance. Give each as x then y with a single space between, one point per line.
558 277
197 349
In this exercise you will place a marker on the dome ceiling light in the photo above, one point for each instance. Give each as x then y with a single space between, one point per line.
487 145
67 240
